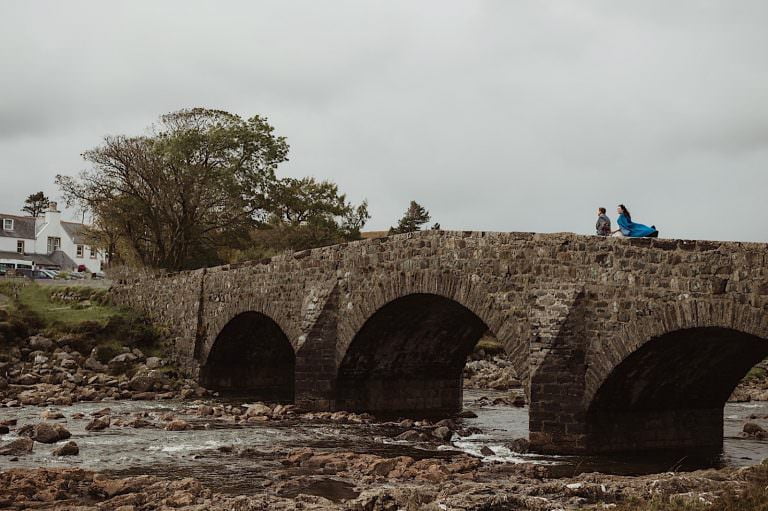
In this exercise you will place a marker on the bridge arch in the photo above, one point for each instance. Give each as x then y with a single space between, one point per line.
500 311
665 379
251 356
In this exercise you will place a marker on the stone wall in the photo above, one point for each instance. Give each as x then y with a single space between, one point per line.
569 309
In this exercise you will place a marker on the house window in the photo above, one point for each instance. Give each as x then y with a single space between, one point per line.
20 246
7 224
54 244
93 253
80 251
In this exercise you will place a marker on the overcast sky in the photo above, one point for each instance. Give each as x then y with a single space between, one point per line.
495 115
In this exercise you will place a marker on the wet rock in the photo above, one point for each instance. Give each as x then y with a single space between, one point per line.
51 415
258 409
448 423
519 445
102 412
442 433
519 401
98 424
409 436
204 410
4 430
466 414
178 425
68 449
487 451
406 423
50 433
18 447
752 429
143 396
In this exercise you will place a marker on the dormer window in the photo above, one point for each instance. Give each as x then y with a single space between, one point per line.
7 224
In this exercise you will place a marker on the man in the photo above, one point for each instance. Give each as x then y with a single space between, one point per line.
603 225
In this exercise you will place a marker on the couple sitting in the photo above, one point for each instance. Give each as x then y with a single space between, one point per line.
627 228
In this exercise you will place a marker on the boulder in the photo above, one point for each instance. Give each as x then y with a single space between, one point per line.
98 424
17 447
178 425
752 429
94 365
409 436
154 363
28 379
50 433
258 409
145 382
487 451
51 415
68 449
519 445
442 433
38 342
121 363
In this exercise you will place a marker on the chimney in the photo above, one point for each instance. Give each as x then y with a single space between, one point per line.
52 214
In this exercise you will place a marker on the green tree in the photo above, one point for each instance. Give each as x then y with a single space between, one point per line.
173 198
415 216
304 213
35 204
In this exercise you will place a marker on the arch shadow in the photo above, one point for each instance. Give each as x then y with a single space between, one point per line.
408 358
671 391
251 357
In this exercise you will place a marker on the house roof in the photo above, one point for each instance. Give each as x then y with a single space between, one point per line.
75 231
23 227
32 258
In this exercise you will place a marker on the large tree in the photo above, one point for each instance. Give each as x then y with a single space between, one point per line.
35 204
197 182
415 216
304 213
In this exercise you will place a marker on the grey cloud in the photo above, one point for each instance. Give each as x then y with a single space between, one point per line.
495 115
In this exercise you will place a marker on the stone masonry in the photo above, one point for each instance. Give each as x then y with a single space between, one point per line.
622 344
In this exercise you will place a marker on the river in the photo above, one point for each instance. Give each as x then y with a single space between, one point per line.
244 459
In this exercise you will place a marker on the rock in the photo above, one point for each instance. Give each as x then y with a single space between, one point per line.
50 433
94 365
258 409
122 363
753 429
406 423
519 445
98 424
145 382
3 383
409 436
68 449
143 396
448 423
442 433
466 414
154 363
37 342
102 412
204 410
178 425
18 447
28 379
487 451
51 415
40 360
384 467
4 430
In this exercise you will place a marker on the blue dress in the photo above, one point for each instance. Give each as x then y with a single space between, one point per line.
633 230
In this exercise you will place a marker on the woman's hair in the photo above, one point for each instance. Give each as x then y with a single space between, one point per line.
602 210
625 212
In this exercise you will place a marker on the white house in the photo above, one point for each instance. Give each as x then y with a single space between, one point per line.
46 242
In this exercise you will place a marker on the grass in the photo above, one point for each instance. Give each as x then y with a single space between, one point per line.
32 308
756 373
37 299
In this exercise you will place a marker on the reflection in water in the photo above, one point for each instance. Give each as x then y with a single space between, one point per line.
203 452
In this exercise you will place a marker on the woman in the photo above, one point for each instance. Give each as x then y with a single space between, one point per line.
629 229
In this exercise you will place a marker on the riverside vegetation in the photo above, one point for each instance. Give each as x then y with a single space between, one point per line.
61 348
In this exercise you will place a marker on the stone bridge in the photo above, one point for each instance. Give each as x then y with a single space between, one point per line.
622 344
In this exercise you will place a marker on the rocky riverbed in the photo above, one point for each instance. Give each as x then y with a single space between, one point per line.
80 431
